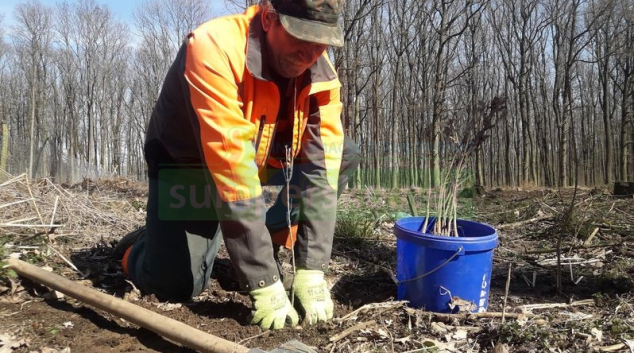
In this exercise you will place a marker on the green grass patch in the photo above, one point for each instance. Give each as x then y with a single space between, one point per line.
356 225
5 273
515 334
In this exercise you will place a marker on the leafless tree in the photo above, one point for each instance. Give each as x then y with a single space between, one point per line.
401 36
450 19
355 70
518 26
92 44
32 38
4 149
161 26
603 50
624 81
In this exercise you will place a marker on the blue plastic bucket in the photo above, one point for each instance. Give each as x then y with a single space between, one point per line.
433 269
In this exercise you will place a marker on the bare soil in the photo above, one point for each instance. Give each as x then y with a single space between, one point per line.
591 310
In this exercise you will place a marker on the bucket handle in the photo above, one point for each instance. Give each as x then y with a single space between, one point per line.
460 249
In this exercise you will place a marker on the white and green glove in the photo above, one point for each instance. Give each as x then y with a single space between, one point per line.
313 295
272 307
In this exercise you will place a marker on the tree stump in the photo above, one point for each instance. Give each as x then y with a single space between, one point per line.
624 188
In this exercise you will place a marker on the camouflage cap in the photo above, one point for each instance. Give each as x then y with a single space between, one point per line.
314 21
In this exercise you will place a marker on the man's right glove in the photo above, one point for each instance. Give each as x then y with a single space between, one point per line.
313 295
272 307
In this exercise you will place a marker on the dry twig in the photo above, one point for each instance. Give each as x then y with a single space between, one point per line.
613 348
530 307
28 186
506 290
524 222
372 306
347 332
484 315
66 260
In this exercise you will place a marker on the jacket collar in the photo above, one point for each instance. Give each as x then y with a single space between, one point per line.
257 57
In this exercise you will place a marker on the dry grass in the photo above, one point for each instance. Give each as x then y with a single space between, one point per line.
90 212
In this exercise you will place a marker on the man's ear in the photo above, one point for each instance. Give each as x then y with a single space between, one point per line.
268 18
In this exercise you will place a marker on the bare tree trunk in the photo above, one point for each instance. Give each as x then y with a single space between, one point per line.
564 133
604 53
625 64
627 136
607 128
32 129
4 151
356 181
438 97
394 136
375 129
32 44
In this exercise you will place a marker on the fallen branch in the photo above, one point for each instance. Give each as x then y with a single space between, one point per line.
37 210
386 305
569 261
485 315
15 203
473 329
612 348
31 225
589 240
556 305
12 246
254 337
63 192
11 181
521 223
347 332
67 261
612 226
18 221
572 248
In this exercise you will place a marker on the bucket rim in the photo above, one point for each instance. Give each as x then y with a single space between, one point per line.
486 240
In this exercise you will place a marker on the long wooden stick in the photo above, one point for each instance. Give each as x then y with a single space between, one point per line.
171 329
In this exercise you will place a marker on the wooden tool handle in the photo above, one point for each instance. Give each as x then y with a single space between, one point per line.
171 329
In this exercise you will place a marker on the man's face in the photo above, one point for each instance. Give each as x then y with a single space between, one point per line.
289 56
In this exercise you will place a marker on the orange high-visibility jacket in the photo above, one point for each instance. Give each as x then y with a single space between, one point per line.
219 107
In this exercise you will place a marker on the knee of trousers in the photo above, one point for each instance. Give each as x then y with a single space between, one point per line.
167 283
172 289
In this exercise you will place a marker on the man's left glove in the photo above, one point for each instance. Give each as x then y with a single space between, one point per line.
272 307
313 295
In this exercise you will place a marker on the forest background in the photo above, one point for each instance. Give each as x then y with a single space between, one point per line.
550 81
